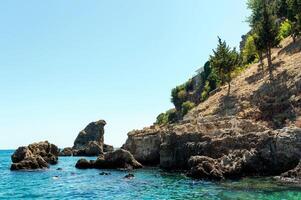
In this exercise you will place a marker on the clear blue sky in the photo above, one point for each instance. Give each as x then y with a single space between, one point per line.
67 63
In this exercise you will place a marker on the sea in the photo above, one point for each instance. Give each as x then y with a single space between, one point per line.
148 184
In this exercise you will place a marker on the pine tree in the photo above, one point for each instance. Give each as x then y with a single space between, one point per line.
294 15
224 61
263 24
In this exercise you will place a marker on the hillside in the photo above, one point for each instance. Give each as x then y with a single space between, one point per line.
254 97
235 135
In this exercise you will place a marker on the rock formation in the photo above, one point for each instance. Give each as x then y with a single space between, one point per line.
68 151
108 148
35 156
89 141
119 159
252 131
145 145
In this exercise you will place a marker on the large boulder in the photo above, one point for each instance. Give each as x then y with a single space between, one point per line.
119 159
35 156
292 176
89 141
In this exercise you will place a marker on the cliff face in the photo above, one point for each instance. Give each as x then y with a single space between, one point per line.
145 145
236 130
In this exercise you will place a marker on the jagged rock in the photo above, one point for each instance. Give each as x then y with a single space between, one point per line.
205 168
68 151
268 154
35 156
108 148
89 141
145 145
292 176
119 159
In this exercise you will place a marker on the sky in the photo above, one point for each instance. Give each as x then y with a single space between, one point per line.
64 64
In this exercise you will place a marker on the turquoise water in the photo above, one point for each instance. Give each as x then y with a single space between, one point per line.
71 183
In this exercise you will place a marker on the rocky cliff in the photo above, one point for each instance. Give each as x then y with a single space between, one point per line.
236 135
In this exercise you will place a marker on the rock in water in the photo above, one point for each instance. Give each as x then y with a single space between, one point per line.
84 164
129 176
89 141
35 156
66 152
119 159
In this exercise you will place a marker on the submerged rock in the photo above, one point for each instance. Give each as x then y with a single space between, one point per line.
119 159
35 156
129 176
104 173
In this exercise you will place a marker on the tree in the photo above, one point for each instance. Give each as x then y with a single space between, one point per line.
249 51
294 15
224 60
263 23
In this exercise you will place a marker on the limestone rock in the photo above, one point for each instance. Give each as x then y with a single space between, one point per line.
89 141
35 156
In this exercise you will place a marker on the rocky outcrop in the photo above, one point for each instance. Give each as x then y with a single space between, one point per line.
292 176
35 156
145 145
268 153
108 148
119 159
68 151
221 147
89 141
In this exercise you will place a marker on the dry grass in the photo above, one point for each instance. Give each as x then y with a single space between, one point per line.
252 87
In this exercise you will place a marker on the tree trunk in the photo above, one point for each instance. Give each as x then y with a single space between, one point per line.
229 88
261 62
270 64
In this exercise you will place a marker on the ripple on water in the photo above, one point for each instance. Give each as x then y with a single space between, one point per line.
148 184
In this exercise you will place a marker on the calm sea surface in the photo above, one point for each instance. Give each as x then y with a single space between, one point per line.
71 183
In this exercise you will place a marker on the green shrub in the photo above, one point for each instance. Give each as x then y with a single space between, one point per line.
186 107
249 53
206 91
170 116
285 30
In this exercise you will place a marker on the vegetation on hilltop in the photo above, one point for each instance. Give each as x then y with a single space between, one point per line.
271 21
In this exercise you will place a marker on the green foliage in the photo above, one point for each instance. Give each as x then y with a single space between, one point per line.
294 15
224 60
186 107
179 94
285 29
263 23
169 117
206 91
249 53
